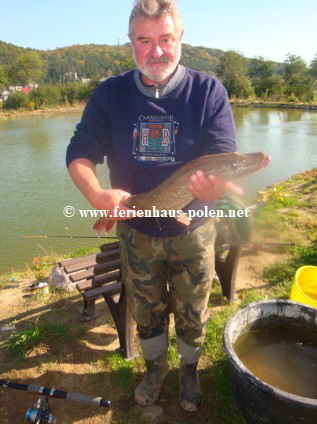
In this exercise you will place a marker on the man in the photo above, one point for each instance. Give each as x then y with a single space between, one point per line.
148 122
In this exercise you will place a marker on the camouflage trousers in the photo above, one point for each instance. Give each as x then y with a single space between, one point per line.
168 274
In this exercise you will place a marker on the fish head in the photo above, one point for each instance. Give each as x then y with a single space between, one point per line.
238 165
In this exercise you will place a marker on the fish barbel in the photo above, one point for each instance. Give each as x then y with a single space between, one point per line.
173 193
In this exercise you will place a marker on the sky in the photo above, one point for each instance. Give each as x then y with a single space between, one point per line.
270 29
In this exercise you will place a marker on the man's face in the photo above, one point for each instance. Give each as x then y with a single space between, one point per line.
156 48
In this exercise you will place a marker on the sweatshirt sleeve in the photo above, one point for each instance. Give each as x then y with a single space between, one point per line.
92 137
219 135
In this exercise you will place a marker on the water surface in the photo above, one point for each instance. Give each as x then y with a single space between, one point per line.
35 185
282 354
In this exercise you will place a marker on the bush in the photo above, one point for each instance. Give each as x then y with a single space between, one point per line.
85 90
16 100
47 95
70 92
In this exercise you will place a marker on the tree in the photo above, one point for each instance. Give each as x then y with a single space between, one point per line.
233 72
29 67
313 68
259 68
128 63
266 83
297 79
4 80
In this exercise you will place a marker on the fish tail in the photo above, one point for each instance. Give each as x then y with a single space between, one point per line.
103 224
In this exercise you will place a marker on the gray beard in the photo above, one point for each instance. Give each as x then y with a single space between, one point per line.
163 74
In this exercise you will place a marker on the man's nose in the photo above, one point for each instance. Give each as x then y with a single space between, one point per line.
156 50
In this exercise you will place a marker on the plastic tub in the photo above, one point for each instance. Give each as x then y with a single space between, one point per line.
304 289
260 402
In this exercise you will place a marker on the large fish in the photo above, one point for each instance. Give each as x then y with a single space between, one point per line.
173 193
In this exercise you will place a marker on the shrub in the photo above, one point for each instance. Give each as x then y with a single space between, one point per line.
31 105
47 95
16 100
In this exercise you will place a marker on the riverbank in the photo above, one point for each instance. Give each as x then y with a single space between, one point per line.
79 108
41 112
275 105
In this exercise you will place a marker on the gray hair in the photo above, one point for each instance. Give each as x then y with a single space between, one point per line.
155 9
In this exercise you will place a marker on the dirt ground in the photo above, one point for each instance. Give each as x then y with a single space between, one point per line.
74 367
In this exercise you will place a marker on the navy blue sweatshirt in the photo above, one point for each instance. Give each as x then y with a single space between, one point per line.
146 138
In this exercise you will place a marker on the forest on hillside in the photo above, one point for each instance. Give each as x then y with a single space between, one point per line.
66 70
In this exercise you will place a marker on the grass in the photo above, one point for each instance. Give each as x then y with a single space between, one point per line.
121 377
23 342
290 209
283 273
173 357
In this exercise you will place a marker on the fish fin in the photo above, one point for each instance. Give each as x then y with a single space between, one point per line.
183 219
103 224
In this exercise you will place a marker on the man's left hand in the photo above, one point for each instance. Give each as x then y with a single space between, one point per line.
208 188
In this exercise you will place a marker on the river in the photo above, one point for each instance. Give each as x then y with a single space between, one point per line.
35 185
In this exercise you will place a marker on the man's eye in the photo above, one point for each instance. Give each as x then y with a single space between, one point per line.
146 42
166 41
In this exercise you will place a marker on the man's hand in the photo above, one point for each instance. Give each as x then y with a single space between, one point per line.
208 188
109 200
83 173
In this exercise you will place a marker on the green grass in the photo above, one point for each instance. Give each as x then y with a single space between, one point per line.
250 296
214 330
84 251
122 372
47 334
225 408
283 273
173 358
289 209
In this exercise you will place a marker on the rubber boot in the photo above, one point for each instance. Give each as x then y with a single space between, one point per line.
155 356
190 394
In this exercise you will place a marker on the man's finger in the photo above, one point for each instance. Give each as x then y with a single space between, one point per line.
232 187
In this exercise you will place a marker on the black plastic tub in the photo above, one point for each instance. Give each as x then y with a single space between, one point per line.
260 402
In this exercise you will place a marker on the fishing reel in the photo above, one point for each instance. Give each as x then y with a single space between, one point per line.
40 413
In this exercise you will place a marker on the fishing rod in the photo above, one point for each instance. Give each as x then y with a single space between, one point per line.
40 413
75 237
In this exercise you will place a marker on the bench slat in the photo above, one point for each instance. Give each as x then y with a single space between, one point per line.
90 272
98 281
82 275
104 268
80 265
76 260
89 262
109 246
109 289
107 256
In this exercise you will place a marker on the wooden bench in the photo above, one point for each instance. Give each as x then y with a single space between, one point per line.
100 275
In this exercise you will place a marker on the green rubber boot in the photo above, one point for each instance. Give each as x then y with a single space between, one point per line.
190 394
155 356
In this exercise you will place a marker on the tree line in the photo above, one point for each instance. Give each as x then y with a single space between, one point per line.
60 73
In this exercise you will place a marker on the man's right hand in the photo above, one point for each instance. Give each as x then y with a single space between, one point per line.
83 173
110 199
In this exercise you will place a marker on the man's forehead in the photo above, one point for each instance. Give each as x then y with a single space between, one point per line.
145 28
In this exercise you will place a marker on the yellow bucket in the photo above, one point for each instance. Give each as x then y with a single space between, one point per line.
305 286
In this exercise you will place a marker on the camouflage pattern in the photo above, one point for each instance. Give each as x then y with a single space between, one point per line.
169 274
